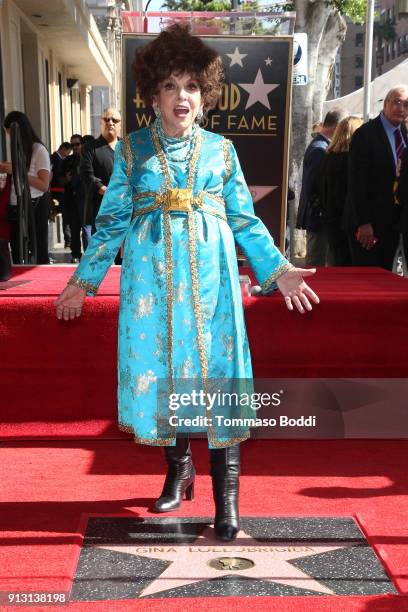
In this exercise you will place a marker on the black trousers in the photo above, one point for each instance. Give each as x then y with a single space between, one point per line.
41 208
381 255
74 220
339 250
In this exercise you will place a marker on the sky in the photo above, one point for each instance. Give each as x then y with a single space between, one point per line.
156 5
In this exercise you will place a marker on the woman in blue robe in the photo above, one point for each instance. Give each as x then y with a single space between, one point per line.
179 201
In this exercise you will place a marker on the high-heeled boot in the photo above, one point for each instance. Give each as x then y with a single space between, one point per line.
180 476
225 469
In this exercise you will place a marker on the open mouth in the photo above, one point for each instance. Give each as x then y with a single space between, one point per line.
181 111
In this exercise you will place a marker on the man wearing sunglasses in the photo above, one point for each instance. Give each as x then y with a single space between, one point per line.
97 165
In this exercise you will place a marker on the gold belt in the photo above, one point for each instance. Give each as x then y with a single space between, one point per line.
179 200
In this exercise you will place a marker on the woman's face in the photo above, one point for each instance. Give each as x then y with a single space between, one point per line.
179 100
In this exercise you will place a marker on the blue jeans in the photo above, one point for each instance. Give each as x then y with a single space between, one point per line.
86 235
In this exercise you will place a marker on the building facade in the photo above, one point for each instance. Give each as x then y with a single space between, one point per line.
390 47
107 17
52 53
53 56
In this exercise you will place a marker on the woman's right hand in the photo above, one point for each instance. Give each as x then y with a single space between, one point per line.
69 304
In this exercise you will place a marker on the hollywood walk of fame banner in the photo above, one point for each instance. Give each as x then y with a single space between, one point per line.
253 112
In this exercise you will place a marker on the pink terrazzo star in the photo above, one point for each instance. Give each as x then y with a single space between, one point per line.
190 562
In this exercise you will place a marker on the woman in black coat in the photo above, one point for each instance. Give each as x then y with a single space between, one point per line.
332 182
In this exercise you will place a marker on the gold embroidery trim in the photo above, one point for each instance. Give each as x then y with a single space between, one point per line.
229 442
168 441
169 282
128 157
146 209
78 282
197 314
124 427
144 194
161 156
212 196
193 272
193 161
196 296
197 202
281 269
227 159
149 441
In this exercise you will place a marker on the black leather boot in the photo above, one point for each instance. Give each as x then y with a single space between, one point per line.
225 468
180 476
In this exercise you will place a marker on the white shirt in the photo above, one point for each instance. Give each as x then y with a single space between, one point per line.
40 160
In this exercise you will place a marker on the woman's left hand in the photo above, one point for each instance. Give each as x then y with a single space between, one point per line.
6 167
295 290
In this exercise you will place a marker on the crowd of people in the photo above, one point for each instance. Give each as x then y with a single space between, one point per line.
353 202
72 180
354 197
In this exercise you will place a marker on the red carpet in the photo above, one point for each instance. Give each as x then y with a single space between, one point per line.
58 386
358 330
48 487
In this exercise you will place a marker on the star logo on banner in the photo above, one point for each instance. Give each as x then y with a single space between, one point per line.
258 91
207 559
259 191
236 57
268 61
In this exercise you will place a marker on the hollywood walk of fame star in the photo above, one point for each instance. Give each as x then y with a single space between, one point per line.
258 91
268 61
259 191
189 563
236 57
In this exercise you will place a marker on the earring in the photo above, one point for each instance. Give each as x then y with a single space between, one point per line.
200 115
156 111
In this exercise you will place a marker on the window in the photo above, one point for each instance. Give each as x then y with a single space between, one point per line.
358 82
358 61
359 39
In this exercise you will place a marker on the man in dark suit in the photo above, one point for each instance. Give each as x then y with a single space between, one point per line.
402 195
309 211
372 214
97 163
73 196
57 186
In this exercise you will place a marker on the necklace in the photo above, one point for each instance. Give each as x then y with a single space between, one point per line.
163 159
179 149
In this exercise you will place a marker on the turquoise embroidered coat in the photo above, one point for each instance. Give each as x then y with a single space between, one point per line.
181 315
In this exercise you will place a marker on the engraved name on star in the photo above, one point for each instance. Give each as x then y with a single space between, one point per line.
258 91
236 57
189 563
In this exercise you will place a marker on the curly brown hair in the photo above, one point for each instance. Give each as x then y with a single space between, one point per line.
177 51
